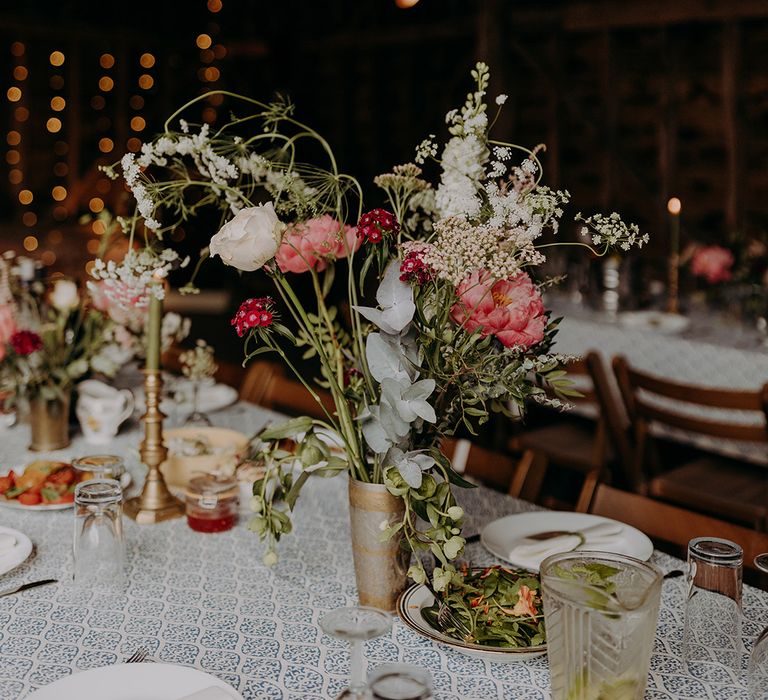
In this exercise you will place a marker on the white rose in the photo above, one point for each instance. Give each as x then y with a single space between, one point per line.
249 240
65 296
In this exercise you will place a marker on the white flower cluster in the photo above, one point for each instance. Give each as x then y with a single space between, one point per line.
461 247
198 363
465 154
144 201
426 149
610 232
137 274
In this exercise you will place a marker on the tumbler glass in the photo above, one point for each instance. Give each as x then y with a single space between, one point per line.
100 466
757 674
99 549
712 637
600 611
400 682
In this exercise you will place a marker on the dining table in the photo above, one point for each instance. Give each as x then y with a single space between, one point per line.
207 601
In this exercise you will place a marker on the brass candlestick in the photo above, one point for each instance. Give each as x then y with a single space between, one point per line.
673 283
155 502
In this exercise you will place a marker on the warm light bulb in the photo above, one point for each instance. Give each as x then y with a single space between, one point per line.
674 206
405 4
56 58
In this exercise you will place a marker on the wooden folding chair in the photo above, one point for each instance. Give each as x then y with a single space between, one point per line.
673 525
265 384
724 487
570 444
470 459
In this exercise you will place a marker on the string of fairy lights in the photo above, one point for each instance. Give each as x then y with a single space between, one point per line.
117 120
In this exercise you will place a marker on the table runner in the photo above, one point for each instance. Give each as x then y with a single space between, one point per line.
207 601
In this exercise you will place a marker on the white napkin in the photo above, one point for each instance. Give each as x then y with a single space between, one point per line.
7 543
212 693
605 537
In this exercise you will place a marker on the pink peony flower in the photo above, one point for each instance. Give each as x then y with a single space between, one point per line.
713 263
7 327
312 244
511 309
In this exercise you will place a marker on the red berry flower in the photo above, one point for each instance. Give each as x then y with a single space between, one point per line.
253 313
414 269
377 222
25 342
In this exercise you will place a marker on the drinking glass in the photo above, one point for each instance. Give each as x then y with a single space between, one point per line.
356 625
99 549
757 673
101 466
712 637
197 417
600 612
400 682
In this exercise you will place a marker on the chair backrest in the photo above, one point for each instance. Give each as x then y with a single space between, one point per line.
652 399
468 458
265 384
672 524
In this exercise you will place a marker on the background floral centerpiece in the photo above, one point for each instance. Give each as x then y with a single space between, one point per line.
51 337
457 330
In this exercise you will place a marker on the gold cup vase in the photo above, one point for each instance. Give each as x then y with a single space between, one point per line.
49 422
381 567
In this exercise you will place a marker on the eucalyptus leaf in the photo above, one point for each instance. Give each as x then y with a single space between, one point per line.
288 429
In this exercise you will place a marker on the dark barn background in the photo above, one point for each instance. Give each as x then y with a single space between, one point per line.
637 101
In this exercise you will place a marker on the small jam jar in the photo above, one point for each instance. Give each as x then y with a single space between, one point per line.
101 466
212 503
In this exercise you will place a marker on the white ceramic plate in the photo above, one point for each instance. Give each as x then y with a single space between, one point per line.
414 599
211 398
499 536
19 554
13 504
133 682
658 321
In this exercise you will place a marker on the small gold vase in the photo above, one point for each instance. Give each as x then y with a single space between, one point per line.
49 421
381 568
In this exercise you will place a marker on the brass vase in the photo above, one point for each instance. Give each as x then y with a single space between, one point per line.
381 567
49 421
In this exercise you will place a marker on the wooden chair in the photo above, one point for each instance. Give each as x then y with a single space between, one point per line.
494 469
712 484
673 525
265 384
571 444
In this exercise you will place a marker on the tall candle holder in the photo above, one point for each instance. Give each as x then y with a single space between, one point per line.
155 502
673 272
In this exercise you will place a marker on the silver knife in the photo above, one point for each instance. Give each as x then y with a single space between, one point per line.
24 586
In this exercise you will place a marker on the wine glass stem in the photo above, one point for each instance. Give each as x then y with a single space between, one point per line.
356 670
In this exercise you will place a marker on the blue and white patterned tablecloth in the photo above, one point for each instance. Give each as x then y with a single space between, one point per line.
206 601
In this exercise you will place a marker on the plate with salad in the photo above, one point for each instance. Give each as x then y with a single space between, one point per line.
41 485
493 613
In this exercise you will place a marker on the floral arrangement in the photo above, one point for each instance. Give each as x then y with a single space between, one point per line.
712 263
197 363
127 306
458 328
49 338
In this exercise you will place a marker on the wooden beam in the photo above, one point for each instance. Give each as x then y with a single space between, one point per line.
592 16
730 90
610 111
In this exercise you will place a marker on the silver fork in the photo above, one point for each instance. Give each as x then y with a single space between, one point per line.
138 656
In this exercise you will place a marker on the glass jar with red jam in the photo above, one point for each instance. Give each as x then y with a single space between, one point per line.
212 503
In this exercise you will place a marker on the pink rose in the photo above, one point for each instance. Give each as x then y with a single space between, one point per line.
7 327
713 263
511 310
312 244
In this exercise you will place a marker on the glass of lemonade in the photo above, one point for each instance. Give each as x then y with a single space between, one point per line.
600 612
